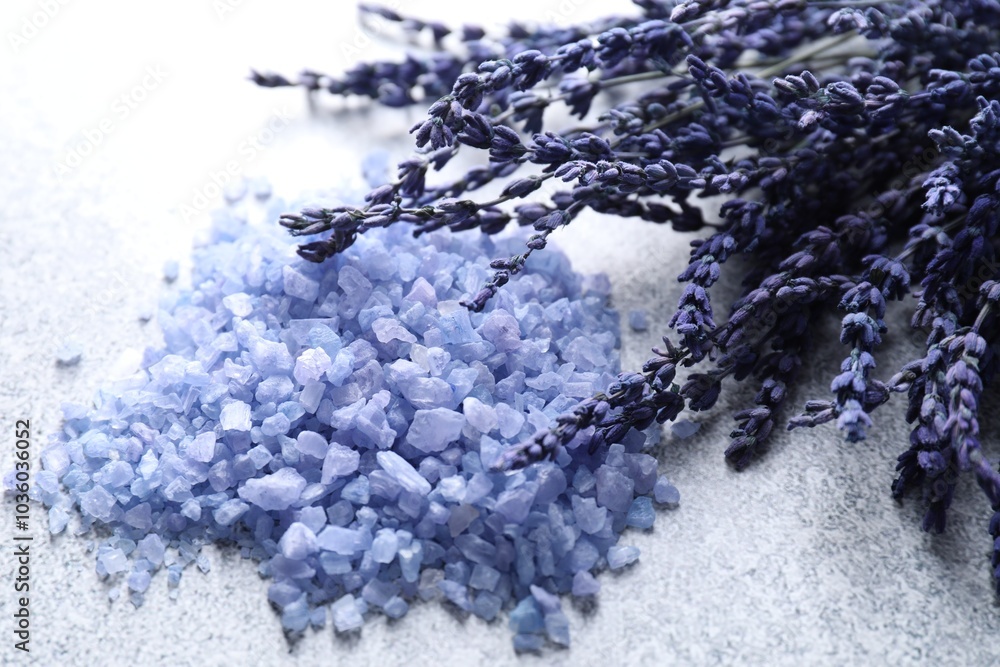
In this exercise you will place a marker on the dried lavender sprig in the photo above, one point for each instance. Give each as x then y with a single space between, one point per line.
841 159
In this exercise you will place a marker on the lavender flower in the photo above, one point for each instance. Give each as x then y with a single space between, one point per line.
834 131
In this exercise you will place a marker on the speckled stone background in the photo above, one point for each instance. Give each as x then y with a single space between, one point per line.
803 559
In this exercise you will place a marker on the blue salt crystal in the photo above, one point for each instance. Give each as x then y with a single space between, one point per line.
640 513
229 511
69 352
311 365
276 491
484 577
115 474
298 542
477 488
138 581
457 593
526 618
410 560
510 420
295 615
502 329
403 472
191 509
395 607
684 428
343 541
475 548
514 504
358 491
616 456
298 285
204 564
239 304
637 320
112 561
619 556
427 393
642 470
378 592
452 489
58 520
97 503
235 416
334 563
385 545
387 329
460 518
589 517
666 493
345 614
314 518
614 489
585 584
433 430
270 357
480 416
317 617
140 517
311 395
275 425
383 484
557 627
202 448
312 444
583 555
487 605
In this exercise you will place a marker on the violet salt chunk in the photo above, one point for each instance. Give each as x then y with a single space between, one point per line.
619 556
433 430
585 584
346 616
112 560
684 428
229 511
502 329
202 449
384 546
480 416
311 365
298 542
98 503
277 491
589 517
641 513
666 493
403 472
298 285
614 489
637 320
235 416
387 329
69 352
340 461
312 444
239 304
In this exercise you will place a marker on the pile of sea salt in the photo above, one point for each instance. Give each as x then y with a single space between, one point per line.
338 424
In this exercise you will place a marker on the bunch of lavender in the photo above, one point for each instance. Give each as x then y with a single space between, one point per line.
857 144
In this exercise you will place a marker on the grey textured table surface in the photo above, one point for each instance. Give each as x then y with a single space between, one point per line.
802 559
